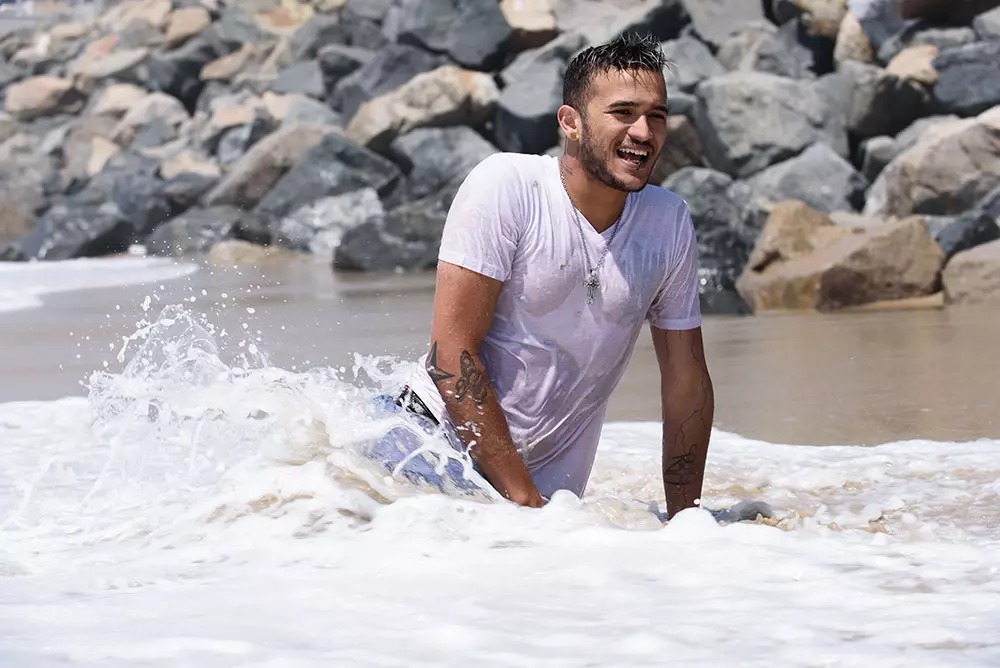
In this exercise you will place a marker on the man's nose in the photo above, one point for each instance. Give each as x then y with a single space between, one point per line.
640 130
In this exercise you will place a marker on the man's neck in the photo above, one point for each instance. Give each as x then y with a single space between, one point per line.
598 204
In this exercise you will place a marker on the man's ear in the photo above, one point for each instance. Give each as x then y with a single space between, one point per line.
569 122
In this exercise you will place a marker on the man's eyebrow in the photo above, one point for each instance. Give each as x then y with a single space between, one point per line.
629 104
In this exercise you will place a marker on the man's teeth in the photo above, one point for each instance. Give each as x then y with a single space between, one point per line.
638 154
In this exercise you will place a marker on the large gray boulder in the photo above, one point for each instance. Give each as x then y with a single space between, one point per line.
987 25
968 79
750 120
387 70
714 20
318 227
880 103
473 33
194 232
599 22
434 159
817 176
253 175
717 210
407 238
953 166
968 230
334 166
178 72
877 152
761 47
525 120
303 78
561 50
338 61
691 63
708 195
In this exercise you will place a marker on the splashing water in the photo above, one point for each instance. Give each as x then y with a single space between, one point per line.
203 507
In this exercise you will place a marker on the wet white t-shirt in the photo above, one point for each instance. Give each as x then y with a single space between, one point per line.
553 358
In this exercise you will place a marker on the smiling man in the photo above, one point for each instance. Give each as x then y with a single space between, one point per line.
548 269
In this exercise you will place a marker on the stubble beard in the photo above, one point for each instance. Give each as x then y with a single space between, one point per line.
597 167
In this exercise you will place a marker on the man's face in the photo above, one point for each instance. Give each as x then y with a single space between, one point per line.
624 125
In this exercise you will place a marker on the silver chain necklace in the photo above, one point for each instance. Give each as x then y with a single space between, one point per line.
591 282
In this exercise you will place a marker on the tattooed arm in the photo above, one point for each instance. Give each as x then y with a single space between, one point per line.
464 302
688 410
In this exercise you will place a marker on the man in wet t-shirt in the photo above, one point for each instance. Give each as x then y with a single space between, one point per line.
547 271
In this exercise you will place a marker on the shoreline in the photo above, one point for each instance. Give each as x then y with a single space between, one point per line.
866 377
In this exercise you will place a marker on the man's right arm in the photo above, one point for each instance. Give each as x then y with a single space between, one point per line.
464 303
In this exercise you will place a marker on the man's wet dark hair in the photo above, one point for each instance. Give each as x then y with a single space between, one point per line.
627 53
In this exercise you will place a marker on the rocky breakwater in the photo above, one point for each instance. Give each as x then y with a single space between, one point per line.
833 153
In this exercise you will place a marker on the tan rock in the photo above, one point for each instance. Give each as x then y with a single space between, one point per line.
682 149
119 64
42 96
852 42
915 63
533 23
853 219
69 31
189 162
973 276
898 260
117 99
233 252
101 150
95 50
153 106
152 12
260 168
183 24
284 20
16 220
953 165
447 95
823 17
277 104
78 145
227 67
792 230
229 116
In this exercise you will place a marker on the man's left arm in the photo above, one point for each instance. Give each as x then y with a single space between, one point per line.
688 411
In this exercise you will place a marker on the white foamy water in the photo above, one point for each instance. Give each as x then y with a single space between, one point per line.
24 284
203 508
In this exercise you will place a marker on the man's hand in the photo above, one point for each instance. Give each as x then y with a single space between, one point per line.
464 302
688 411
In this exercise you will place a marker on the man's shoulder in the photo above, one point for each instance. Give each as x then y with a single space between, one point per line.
513 165
665 201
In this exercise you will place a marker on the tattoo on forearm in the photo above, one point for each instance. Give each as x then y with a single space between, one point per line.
680 469
436 373
473 381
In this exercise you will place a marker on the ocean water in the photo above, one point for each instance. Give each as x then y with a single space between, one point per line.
200 506
23 285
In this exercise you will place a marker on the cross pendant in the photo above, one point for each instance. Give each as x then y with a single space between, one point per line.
592 284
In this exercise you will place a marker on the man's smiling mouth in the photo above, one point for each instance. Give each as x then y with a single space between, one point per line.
635 156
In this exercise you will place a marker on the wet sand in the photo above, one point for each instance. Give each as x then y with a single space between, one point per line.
859 378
